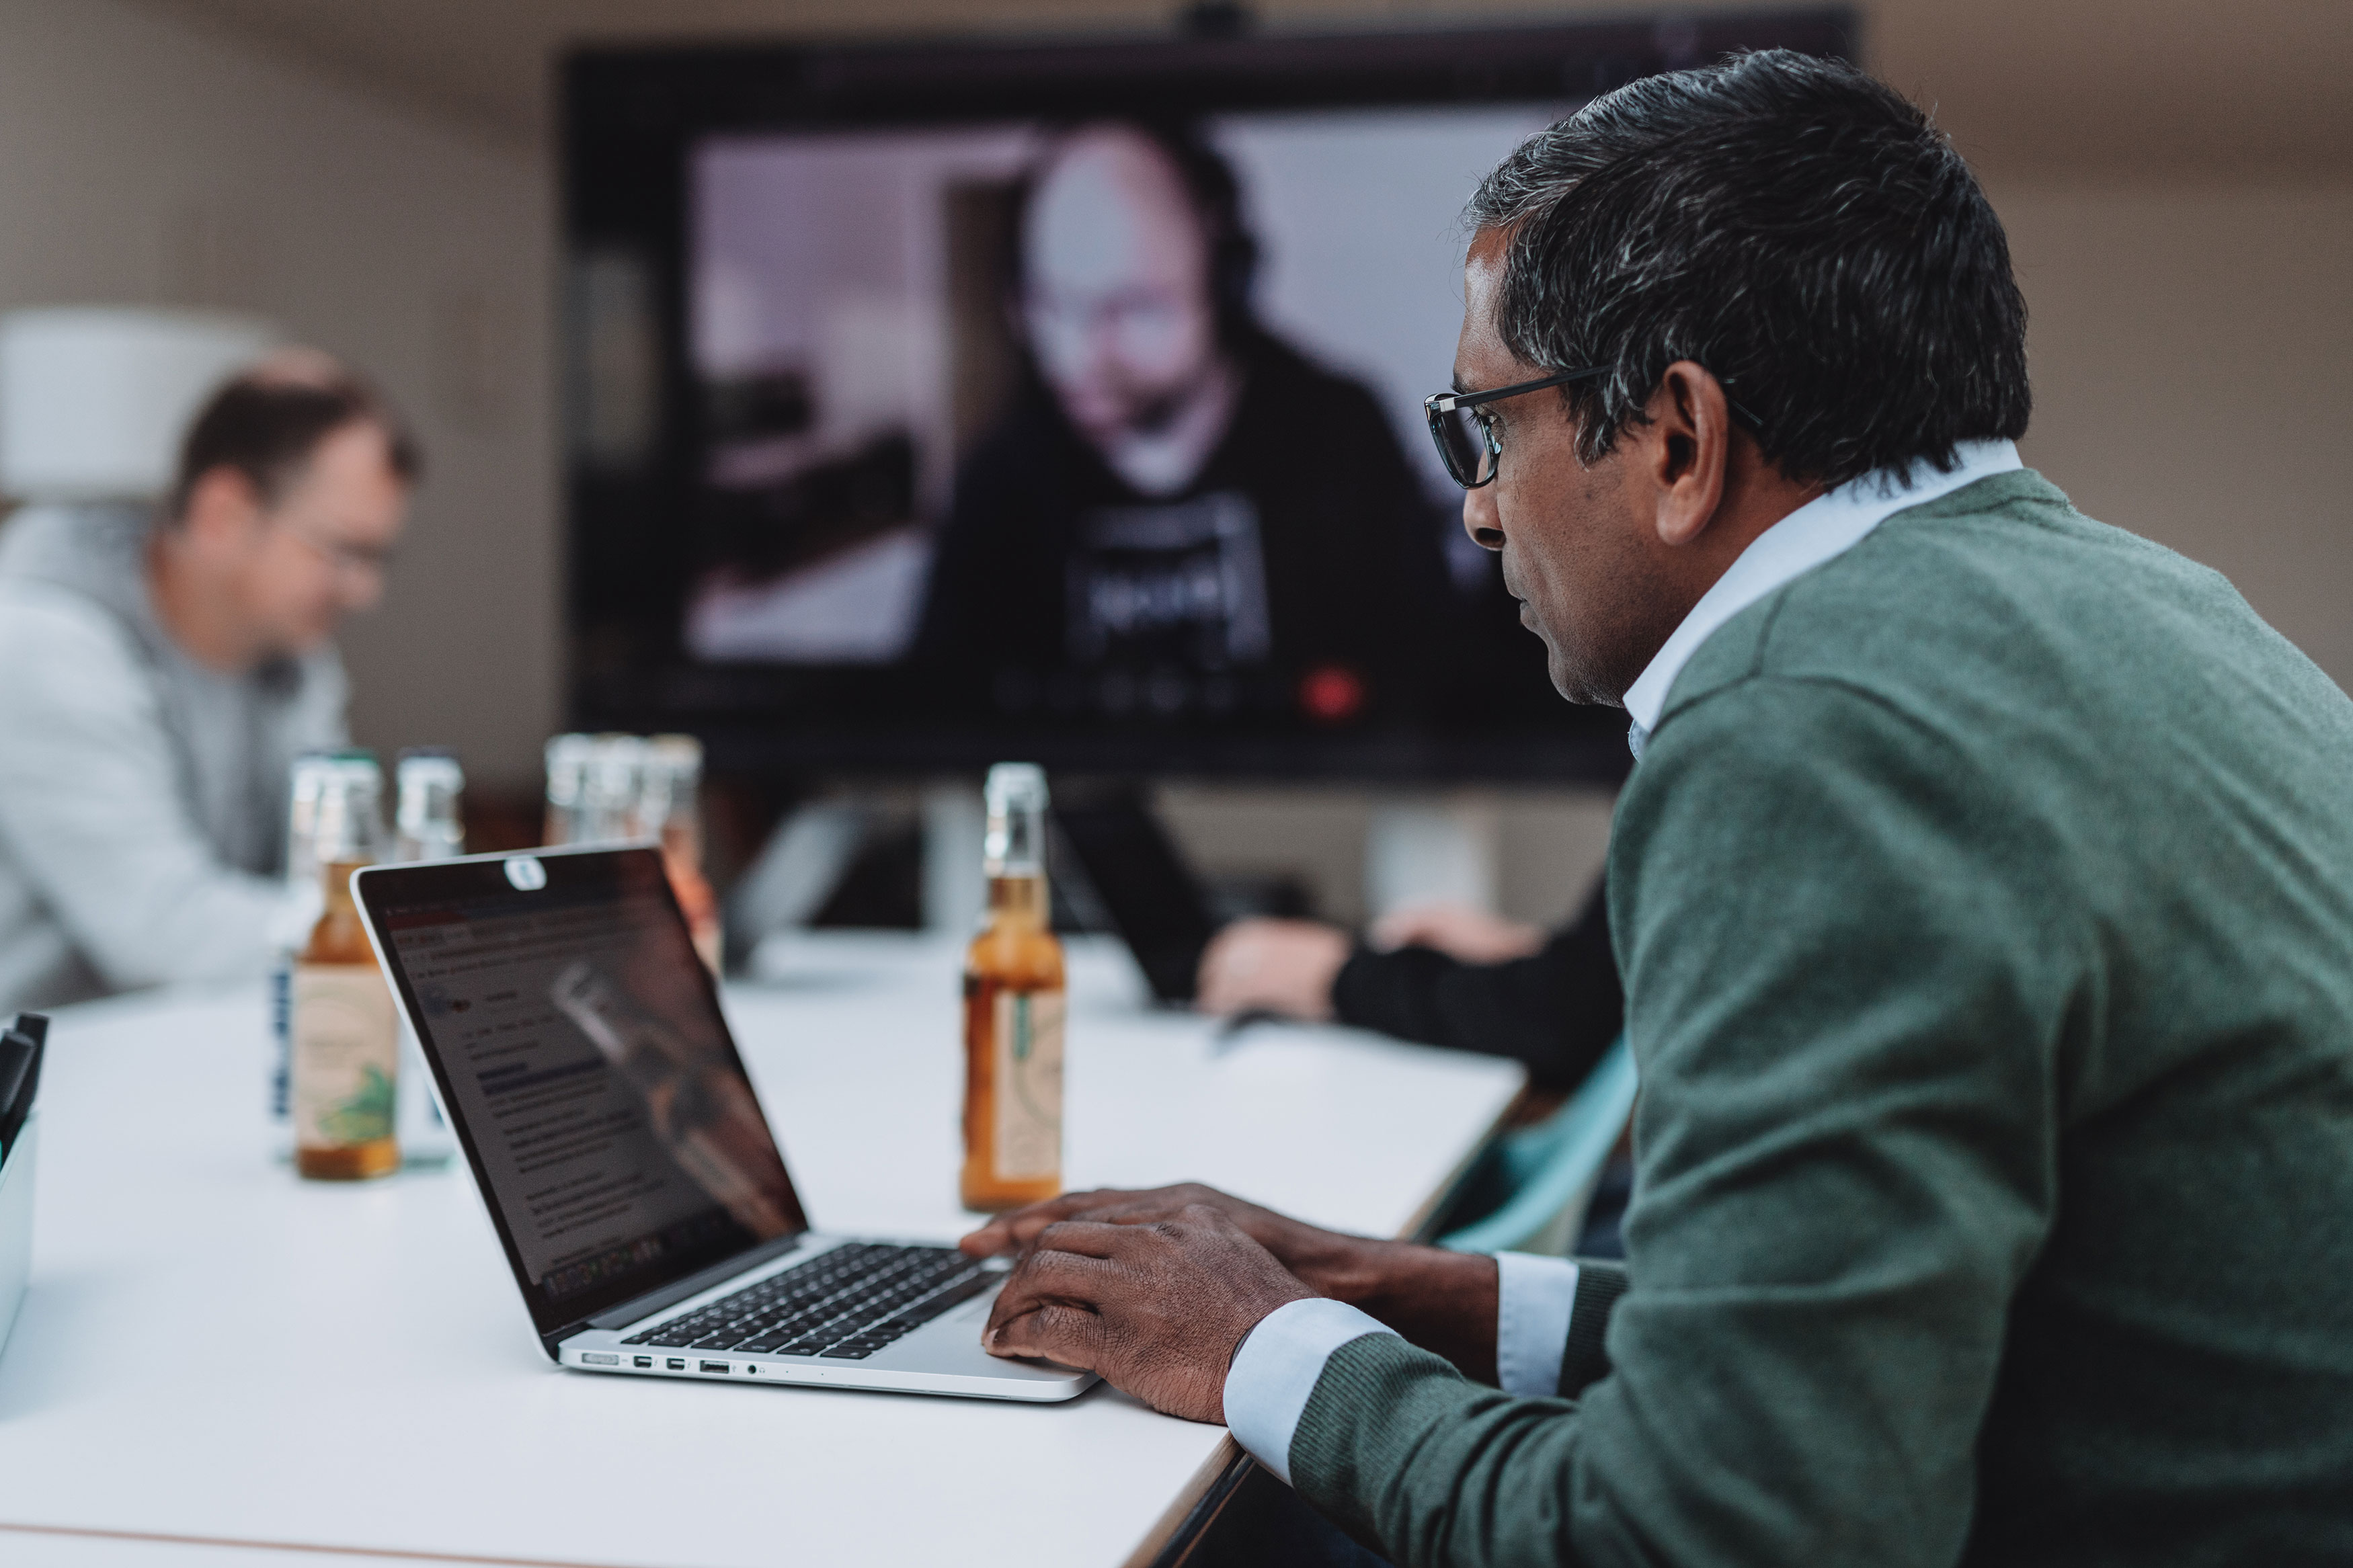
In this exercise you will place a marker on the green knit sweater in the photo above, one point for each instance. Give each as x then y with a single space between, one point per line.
1984 903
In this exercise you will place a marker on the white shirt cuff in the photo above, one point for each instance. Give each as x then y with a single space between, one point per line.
1276 1370
1534 1300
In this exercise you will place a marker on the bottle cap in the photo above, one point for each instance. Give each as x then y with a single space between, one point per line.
420 765
567 763
1009 782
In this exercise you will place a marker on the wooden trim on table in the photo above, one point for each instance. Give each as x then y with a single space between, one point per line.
381 1553
1172 1539
1197 1508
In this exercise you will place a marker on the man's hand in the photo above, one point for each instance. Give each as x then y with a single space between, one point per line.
1329 1263
1271 966
1158 1308
1443 1302
1458 931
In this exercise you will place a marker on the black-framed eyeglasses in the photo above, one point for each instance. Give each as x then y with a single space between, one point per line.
1466 437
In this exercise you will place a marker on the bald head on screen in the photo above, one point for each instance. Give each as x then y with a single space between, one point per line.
1119 305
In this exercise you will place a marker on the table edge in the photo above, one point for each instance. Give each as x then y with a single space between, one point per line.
381 1553
1173 1536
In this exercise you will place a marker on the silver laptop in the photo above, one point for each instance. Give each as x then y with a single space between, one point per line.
580 1054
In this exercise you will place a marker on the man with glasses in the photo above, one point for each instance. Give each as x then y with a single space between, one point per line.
1983 896
161 674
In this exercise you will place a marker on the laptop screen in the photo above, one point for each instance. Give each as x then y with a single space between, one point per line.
579 1049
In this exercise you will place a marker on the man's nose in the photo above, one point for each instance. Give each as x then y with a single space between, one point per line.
1100 344
1480 519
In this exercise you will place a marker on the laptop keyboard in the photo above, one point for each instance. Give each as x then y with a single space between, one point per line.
845 1304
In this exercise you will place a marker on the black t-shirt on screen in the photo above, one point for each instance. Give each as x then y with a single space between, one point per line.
1299 574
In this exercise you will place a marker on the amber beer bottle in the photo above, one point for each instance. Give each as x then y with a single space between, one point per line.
671 812
1013 1010
346 1034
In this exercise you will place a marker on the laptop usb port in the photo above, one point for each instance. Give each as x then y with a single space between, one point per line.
719 1366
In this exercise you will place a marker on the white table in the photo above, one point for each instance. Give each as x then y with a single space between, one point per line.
215 1358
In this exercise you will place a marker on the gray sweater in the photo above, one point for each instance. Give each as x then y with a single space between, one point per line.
142 796
1984 903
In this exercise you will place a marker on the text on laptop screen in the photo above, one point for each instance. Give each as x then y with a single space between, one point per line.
618 1135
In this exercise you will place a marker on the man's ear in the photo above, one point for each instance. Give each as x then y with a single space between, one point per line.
223 509
1686 445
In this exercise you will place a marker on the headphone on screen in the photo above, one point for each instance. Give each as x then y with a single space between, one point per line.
1217 194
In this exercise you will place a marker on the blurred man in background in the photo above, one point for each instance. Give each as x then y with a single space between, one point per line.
1180 514
164 671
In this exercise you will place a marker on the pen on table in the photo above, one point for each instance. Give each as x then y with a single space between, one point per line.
20 1074
1230 1033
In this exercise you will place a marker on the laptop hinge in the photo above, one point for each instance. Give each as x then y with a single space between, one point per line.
653 1301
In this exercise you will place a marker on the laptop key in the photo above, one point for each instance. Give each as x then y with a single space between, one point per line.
854 1298
953 1296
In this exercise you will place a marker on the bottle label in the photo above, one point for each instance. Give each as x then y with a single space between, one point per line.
1028 1081
347 1055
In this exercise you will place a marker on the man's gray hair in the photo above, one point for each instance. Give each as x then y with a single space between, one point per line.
1791 225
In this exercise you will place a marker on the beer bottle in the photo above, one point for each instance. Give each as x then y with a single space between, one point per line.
567 779
612 792
427 817
428 824
291 928
671 814
346 1037
1013 1004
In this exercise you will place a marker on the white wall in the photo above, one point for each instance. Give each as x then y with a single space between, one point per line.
2191 348
141 161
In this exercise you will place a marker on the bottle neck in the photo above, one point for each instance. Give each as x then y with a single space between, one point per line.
337 936
1017 898
335 887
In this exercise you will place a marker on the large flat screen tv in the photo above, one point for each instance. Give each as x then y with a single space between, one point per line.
929 406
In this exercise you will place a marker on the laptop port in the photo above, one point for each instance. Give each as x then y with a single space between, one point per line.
645 1360
598 1358
717 1366
678 1364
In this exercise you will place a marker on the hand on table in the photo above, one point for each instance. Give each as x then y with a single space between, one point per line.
1157 1309
1458 931
1287 967
1273 966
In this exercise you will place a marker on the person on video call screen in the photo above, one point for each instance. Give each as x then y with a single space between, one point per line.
1178 515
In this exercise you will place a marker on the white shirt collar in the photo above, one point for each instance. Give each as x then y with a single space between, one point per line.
1825 527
